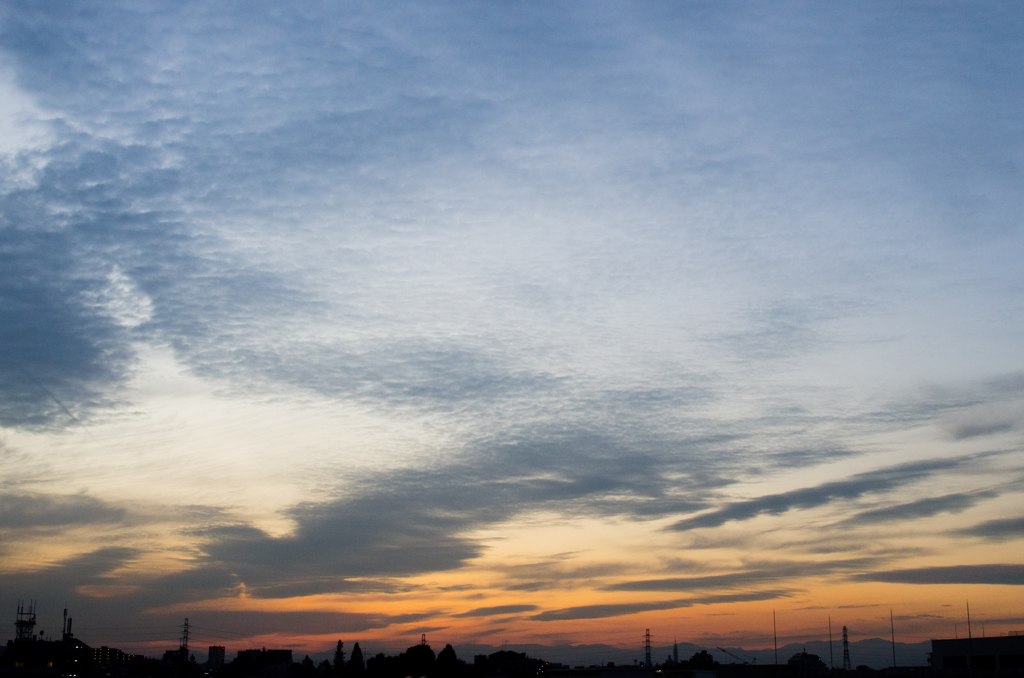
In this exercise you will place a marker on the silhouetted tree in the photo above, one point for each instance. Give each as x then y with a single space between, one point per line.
447 658
701 660
448 665
324 669
306 669
191 669
355 665
419 660
339 659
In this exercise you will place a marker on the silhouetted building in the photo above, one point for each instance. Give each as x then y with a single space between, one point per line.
1003 654
805 664
32 657
176 658
215 659
110 657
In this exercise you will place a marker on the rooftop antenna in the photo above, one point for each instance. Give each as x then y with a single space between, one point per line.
775 635
647 649
892 630
25 622
831 656
847 666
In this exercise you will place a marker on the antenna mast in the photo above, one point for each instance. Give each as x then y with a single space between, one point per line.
25 623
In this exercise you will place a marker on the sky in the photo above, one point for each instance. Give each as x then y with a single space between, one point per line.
537 322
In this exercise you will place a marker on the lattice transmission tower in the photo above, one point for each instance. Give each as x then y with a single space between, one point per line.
184 639
25 624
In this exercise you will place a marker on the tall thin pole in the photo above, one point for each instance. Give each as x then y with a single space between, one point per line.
970 639
775 634
831 657
892 630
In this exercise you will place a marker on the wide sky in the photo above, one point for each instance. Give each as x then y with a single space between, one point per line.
544 322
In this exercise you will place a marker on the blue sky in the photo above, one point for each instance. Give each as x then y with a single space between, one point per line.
336 300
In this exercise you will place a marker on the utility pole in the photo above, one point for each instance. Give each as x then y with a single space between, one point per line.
775 635
892 630
831 656
647 649
970 639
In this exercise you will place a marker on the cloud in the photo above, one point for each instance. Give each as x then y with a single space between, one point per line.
621 609
810 497
1000 529
607 610
64 578
20 511
767 572
1005 575
256 623
987 418
496 610
923 508
414 521
58 356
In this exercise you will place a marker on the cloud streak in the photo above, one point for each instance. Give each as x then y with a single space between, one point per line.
621 609
811 497
996 574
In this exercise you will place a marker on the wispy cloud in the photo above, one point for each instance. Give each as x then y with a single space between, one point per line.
922 508
496 610
620 609
1007 575
810 497
1000 529
754 577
